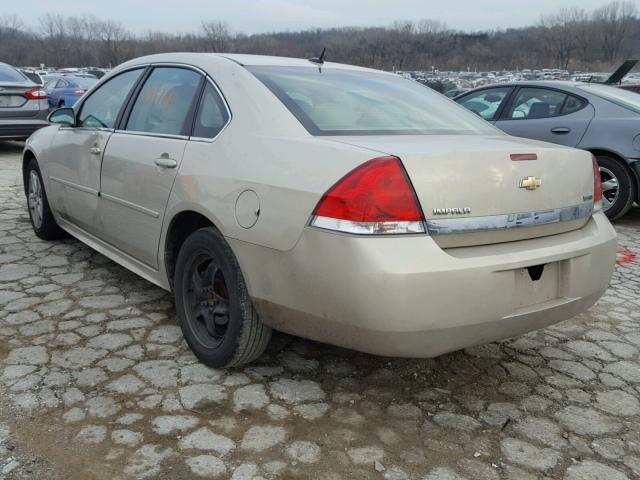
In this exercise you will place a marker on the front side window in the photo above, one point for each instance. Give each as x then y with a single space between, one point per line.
537 103
101 109
332 101
166 102
212 114
485 103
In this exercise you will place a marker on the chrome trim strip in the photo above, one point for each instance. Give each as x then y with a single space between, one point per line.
130 205
508 221
150 134
81 188
367 228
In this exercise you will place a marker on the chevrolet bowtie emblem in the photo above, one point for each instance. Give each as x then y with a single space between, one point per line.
530 183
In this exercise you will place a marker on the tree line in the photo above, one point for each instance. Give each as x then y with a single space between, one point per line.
571 38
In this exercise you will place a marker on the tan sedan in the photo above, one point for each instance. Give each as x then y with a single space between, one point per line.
338 203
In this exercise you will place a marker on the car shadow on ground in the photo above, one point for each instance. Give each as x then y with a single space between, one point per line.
11 147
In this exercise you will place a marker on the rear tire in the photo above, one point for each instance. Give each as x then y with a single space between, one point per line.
616 202
213 306
42 220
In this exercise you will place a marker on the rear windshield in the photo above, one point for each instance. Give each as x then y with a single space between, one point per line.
624 98
332 101
9 74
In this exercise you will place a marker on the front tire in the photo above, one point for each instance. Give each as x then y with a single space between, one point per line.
213 306
42 220
618 188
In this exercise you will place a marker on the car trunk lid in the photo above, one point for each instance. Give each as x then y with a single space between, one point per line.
472 192
14 103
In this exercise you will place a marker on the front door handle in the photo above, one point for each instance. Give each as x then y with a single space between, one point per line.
166 162
95 150
560 130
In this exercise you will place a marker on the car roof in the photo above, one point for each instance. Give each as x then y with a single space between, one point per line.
242 59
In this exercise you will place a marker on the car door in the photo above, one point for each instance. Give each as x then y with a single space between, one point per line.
142 158
546 114
487 102
75 156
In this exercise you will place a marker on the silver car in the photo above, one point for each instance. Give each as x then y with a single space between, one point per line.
23 105
337 203
602 119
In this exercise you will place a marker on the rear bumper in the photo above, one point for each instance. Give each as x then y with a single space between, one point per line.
405 296
21 128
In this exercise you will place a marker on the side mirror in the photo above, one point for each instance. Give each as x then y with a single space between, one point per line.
63 116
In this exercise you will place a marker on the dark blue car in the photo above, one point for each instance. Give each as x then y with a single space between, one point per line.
65 91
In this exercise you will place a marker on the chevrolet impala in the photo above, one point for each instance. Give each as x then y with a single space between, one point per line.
337 203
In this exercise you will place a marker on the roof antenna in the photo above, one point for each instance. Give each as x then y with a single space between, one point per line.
319 60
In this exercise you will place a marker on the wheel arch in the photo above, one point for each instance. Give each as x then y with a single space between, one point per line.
181 225
623 162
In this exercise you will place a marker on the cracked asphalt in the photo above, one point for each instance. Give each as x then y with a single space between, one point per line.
96 382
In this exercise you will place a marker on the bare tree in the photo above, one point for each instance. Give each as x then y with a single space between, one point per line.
216 35
113 37
558 38
613 22
569 38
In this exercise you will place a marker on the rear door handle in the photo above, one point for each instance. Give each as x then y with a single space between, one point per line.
95 150
166 162
560 130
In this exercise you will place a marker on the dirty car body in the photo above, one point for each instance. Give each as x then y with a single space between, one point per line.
363 209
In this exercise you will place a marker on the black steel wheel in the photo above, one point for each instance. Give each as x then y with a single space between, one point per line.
213 306
207 300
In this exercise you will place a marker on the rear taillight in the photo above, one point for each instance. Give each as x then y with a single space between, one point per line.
374 198
79 92
597 181
36 94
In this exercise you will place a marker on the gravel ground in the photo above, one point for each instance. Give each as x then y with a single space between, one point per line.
96 382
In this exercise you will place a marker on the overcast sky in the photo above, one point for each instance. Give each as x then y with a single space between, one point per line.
253 16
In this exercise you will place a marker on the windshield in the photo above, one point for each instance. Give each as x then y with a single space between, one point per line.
624 98
350 102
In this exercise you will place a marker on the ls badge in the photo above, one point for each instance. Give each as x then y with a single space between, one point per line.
530 183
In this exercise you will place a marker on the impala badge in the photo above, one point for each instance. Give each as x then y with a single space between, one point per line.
530 183
452 211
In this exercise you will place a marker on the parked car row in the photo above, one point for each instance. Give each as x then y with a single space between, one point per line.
601 119
25 102
338 203
590 116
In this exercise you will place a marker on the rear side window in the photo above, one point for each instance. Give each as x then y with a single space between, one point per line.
101 109
10 74
212 114
166 102
573 104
